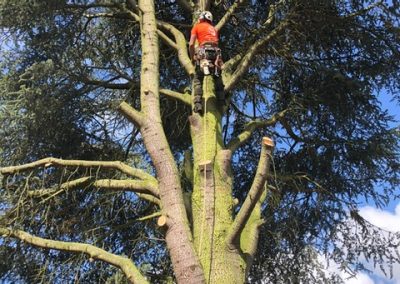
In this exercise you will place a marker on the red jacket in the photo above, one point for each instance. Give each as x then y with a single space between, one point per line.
205 32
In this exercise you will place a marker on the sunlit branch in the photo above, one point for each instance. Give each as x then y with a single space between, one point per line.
245 59
185 98
253 196
251 232
133 16
228 14
106 15
131 114
106 84
272 13
181 46
167 40
250 127
47 162
137 186
51 192
125 264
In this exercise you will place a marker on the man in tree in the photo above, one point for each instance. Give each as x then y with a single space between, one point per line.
207 55
253 214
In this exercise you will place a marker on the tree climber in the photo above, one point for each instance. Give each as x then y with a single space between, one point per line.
207 58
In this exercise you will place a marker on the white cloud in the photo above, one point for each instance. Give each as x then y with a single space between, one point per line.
359 278
386 220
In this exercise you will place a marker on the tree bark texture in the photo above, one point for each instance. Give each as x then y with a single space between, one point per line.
178 236
212 201
215 246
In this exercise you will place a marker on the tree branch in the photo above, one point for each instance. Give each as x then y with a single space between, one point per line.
272 12
106 15
289 130
137 186
106 84
131 114
185 98
167 40
181 46
79 163
250 127
365 10
253 196
125 264
246 58
145 187
228 14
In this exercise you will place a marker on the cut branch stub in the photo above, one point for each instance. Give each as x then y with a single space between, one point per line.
162 221
268 142
205 169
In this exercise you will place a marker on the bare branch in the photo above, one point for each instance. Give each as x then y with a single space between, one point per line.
133 15
182 97
131 114
125 264
253 196
167 40
228 14
106 84
246 58
79 163
137 186
151 216
181 46
106 15
250 127
80 182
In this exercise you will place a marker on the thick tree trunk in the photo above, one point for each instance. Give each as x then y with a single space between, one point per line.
212 202
202 255
187 268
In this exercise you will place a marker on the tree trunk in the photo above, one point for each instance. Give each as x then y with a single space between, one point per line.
187 268
203 254
212 201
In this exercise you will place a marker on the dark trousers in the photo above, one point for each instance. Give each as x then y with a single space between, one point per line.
198 85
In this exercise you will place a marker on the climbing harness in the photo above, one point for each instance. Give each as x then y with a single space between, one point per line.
209 57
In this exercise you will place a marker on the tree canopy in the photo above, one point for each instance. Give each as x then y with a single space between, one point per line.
306 73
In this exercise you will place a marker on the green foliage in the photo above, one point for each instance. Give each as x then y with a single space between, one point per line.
65 71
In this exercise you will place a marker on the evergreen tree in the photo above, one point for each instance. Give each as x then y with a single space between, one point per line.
108 172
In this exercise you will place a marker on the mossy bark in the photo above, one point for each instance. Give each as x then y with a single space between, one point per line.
178 237
212 202
202 254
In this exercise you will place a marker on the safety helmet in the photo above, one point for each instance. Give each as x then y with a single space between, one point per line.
206 15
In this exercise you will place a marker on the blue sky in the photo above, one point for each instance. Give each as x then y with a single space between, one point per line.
386 218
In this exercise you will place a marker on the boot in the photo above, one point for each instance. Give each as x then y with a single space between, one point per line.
198 108
198 104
